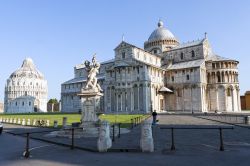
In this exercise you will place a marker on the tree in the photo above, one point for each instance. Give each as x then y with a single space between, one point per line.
53 105
53 101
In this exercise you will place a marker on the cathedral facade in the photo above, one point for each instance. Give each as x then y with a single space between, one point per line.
164 76
26 90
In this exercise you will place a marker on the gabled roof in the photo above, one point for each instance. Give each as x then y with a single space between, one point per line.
189 44
82 79
131 45
108 61
121 64
80 66
218 58
158 67
188 64
165 89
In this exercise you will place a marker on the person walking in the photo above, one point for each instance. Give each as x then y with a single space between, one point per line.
154 114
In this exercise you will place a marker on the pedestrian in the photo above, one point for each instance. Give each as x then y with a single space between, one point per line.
154 114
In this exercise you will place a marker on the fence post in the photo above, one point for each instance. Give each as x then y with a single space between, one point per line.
72 140
113 139
119 126
132 125
26 153
221 141
172 133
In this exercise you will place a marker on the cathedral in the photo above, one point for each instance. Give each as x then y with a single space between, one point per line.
26 90
164 76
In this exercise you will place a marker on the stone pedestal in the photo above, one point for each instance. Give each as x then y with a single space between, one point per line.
64 122
34 122
23 122
247 119
28 122
147 142
90 105
104 141
19 121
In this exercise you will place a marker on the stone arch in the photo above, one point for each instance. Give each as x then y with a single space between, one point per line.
221 98
222 76
218 77
230 97
226 76
208 78
136 97
230 76
213 77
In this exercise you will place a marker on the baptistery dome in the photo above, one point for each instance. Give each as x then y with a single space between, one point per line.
26 90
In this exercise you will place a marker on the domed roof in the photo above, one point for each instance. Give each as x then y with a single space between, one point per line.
27 70
160 33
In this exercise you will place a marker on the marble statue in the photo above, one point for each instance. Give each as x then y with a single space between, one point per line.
92 70
104 142
147 142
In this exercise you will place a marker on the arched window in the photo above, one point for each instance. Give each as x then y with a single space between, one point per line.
228 92
123 55
187 76
193 53
182 55
218 77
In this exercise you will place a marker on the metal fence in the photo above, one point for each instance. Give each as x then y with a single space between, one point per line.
197 128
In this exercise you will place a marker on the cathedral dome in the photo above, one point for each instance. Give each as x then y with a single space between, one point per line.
160 40
161 33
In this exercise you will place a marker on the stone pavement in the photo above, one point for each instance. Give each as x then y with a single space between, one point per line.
193 147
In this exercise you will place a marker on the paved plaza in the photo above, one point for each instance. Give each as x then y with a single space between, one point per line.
193 146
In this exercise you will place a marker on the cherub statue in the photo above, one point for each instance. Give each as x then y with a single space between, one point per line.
92 70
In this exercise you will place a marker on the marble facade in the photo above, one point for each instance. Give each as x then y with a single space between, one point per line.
164 76
26 90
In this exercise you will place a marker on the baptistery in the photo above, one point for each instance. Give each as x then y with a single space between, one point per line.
26 90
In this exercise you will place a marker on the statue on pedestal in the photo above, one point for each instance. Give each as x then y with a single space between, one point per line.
92 70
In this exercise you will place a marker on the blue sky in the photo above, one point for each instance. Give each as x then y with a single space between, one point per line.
58 34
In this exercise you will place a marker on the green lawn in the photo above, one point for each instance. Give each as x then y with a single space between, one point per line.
72 117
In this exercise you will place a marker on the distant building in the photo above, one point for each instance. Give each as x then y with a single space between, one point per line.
26 90
245 101
138 80
1 108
